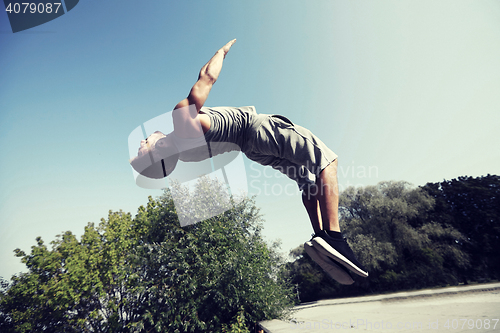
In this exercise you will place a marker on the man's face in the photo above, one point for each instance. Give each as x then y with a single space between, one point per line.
149 143
153 150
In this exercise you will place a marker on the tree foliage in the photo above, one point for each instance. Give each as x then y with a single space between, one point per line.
472 206
391 229
147 274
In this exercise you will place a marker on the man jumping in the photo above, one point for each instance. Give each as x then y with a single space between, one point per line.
268 140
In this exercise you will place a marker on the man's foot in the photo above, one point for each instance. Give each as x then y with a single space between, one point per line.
338 250
337 272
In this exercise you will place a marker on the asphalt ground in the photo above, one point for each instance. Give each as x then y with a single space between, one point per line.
453 309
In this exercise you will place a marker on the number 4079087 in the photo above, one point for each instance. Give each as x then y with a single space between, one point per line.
471 324
33 8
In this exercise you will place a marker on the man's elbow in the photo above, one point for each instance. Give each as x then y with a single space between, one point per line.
206 76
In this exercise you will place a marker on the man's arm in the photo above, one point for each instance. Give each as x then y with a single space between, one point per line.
208 75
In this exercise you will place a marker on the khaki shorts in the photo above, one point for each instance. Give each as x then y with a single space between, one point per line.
290 149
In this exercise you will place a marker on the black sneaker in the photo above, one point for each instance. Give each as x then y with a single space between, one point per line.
337 272
338 250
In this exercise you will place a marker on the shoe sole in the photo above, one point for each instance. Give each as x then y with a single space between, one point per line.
328 265
324 248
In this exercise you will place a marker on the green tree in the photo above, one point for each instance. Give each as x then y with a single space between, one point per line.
76 285
391 229
472 206
147 274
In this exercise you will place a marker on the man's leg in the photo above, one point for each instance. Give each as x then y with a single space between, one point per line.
295 151
329 241
322 200
327 180
328 197
313 210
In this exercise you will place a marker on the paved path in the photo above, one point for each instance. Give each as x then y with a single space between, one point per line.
454 309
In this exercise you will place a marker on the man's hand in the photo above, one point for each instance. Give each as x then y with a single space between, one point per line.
226 47
206 79
212 68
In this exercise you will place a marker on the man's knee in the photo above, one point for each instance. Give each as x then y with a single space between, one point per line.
327 180
330 170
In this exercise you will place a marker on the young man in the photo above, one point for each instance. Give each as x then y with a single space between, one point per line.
266 139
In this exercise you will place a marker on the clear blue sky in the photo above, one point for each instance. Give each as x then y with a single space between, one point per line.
400 90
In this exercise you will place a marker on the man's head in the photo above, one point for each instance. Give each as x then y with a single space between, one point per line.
157 156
